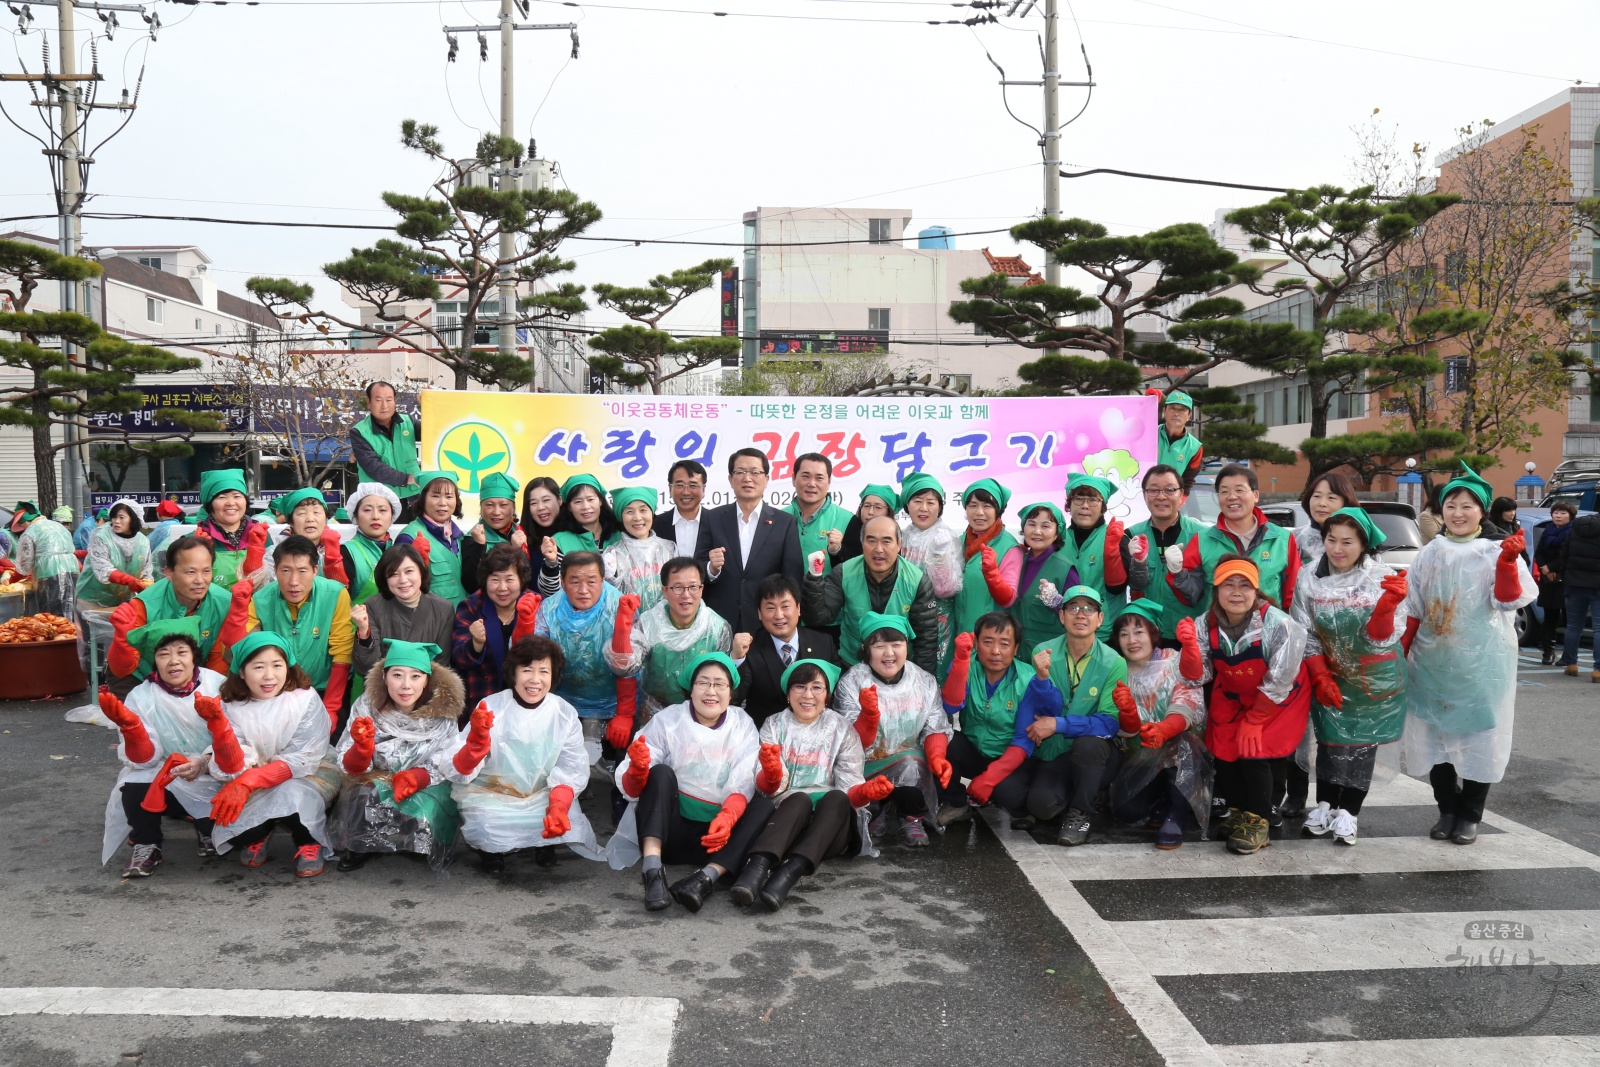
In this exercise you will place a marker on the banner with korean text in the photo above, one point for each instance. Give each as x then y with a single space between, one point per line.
1030 445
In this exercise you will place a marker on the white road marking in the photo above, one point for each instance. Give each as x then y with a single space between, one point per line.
1436 1052
641 1027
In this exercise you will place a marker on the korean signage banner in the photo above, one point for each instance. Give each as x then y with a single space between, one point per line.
1030 445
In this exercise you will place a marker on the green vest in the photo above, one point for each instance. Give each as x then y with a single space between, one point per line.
1091 696
990 722
858 602
814 532
1039 623
398 450
1271 557
92 591
974 600
1090 559
160 604
309 633
444 566
1172 609
1176 454
364 554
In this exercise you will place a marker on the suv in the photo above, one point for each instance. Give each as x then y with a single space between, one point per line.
1575 481
1397 521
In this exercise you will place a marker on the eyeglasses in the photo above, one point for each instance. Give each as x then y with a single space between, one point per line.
1152 491
1080 609
748 472
684 590
712 685
809 478
686 485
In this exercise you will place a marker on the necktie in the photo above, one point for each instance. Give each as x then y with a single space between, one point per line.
786 652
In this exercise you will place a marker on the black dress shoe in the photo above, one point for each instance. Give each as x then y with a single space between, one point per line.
694 890
544 856
1442 829
492 862
353 861
656 896
1466 832
783 879
751 879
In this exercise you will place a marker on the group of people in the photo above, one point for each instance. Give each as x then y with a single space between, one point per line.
769 689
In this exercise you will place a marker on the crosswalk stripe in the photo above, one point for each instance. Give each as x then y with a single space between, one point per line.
1538 1051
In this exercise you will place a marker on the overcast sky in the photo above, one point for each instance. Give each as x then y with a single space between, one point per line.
676 123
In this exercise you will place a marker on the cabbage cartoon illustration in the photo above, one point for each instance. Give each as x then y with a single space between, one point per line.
1121 468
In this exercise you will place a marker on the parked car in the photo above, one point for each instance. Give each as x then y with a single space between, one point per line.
1535 521
1575 481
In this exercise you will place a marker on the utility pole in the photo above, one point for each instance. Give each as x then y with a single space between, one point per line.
1052 133
70 205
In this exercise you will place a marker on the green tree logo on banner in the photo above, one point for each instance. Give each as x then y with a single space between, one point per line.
474 450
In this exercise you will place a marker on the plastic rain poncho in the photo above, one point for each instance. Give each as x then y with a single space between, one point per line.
937 550
633 565
663 651
531 750
1268 659
587 681
109 552
1308 539
365 816
909 710
1161 690
1463 663
173 726
291 727
45 553
711 764
819 757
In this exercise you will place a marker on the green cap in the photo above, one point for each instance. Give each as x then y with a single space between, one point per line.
1471 481
992 487
427 478
254 642
147 638
1100 485
498 487
1055 513
884 493
1145 608
417 655
686 676
916 482
876 620
571 485
215 482
341 515
830 670
633 494
1369 529
1084 591
284 505
1179 397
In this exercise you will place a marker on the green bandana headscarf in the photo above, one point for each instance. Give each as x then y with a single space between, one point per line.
254 642
498 487
632 494
1146 608
1473 482
103 515
29 511
883 493
1100 485
874 621
1369 529
572 483
414 654
284 505
427 478
917 482
1055 513
686 676
148 638
830 670
341 515
1001 494
215 482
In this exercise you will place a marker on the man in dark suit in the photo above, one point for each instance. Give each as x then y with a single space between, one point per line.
745 541
780 642
686 484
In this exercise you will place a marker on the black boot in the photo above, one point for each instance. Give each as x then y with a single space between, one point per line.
353 861
1443 828
694 890
544 856
752 878
656 896
492 862
783 879
1465 832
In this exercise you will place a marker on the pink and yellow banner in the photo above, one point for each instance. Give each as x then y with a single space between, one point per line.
1030 445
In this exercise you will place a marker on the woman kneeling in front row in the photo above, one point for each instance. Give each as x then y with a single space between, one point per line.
811 764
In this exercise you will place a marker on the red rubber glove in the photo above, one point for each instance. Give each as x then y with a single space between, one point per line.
998 589
638 772
1127 708
1249 739
717 835
1191 664
527 614
934 748
155 798
332 559
770 778
1115 572
225 748
1507 582
1324 686
333 696
982 787
136 743
620 728
1156 734
138 585
255 549
955 683
1413 624
476 748
405 783
1381 626
363 734
237 622
1139 548
1158 394
866 723
230 799
424 549
875 788
557 822
622 631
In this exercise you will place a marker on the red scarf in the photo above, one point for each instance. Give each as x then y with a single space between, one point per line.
972 543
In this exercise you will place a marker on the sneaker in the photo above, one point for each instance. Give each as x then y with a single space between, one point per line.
1226 823
1074 828
1023 823
202 841
949 814
143 862
879 822
1547 657
1250 834
1275 818
912 829
254 855
308 861
1319 820
1344 827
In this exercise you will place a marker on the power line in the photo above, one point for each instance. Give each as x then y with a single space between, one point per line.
1171 178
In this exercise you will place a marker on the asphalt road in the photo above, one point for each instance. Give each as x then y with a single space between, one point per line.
987 948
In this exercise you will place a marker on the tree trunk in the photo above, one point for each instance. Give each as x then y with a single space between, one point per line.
44 461
461 375
1320 399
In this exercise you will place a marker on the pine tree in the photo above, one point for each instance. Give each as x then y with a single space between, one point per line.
644 354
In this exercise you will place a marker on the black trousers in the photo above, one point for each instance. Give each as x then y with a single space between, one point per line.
1012 792
1247 783
1290 784
147 824
1074 780
658 816
302 837
1138 808
1456 796
812 833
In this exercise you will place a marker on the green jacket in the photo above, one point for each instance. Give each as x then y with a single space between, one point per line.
814 531
161 604
309 632
397 450
1172 609
1091 696
974 600
989 720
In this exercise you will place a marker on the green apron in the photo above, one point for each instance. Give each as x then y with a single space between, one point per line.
1176 454
1102 670
398 450
1039 623
1172 609
433 805
1371 678
858 602
974 600
662 665
990 722
365 554
1271 557
160 604
814 532
309 633
444 566
100 594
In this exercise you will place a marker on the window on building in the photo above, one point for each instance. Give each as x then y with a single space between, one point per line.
1455 270
197 325
961 383
878 231
154 309
219 329
153 262
877 318
1455 374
